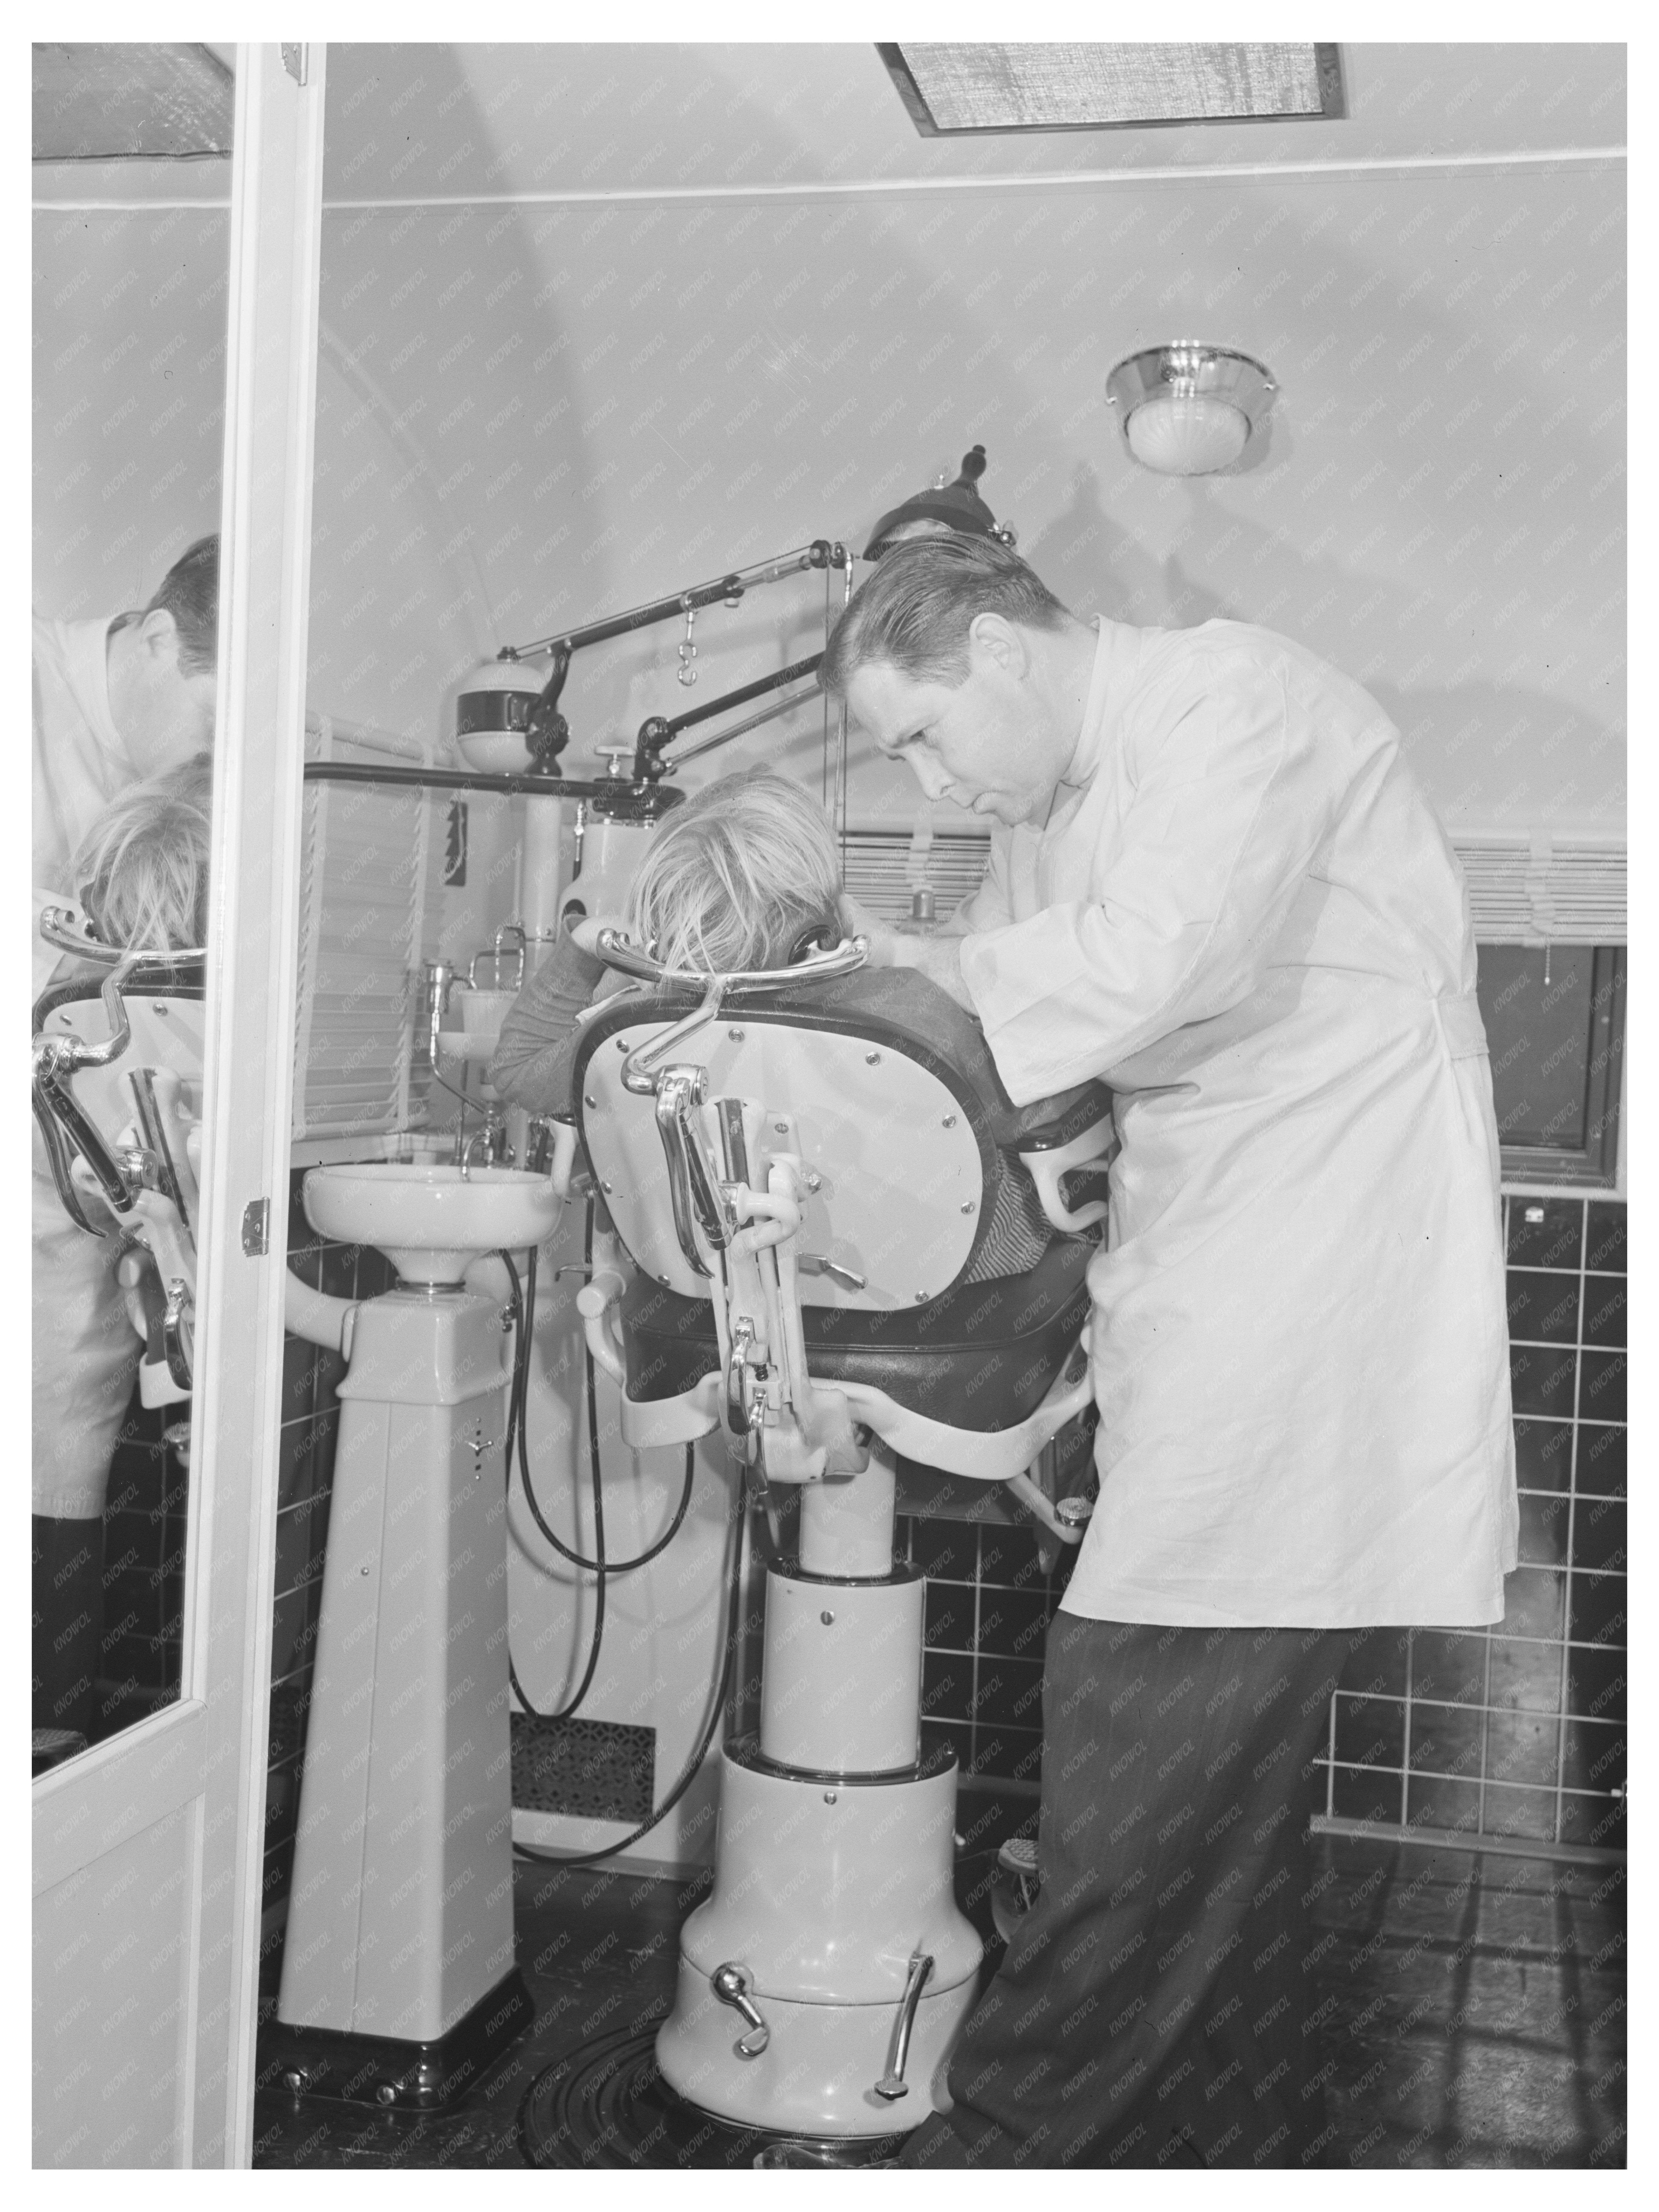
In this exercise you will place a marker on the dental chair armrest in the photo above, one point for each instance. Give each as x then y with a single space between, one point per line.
1048 1124
566 1149
1072 1179
596 1302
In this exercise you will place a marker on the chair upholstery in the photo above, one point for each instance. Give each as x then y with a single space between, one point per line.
978 1356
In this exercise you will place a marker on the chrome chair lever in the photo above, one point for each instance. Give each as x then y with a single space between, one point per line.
814 1263
153 1124
54 1061
60 1156
179 1332
892 2085
732 1984
678 1089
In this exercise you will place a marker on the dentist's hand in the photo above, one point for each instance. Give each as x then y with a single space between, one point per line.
939 959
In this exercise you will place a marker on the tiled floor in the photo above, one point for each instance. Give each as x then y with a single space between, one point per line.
1471 2010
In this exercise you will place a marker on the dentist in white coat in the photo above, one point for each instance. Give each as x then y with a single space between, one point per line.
1214 884
117 700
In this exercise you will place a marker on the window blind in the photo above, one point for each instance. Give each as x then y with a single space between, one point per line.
364 865
1522 891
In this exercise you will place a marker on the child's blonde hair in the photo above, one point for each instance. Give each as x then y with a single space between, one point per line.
738 876
140 871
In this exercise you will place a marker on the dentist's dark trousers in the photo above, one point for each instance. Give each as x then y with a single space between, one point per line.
1157 2004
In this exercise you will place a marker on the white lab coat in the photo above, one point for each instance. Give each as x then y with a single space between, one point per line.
1243 916
84 1354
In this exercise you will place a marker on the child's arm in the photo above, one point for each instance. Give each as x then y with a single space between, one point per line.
537 1045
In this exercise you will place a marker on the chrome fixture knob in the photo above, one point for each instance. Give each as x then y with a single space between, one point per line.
1073 1512
732 1984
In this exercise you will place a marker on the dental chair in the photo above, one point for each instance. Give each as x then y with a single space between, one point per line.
116 1088
794 1189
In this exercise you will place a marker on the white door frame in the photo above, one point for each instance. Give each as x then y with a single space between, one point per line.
166 1818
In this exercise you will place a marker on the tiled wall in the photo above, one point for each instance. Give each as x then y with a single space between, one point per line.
145 1527
1518 1731
989 1603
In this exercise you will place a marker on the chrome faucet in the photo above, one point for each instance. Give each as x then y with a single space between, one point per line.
493 1138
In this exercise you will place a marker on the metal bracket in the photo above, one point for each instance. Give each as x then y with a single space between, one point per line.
297 60
178 1333
256 1228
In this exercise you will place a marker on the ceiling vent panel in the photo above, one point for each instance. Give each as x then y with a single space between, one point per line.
102 103
952 89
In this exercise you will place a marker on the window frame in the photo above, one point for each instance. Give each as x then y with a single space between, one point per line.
1595 1164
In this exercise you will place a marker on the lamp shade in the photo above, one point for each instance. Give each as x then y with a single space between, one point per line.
1187 436
1186 408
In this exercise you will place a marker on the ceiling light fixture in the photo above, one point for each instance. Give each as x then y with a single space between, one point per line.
1189 409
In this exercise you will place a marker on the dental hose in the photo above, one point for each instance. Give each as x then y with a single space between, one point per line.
523 1303
524 1308
523 1313
689 1773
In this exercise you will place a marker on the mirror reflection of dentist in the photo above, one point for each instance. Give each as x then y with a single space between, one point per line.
1215 885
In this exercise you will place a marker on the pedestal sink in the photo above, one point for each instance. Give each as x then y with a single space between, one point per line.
430 1220
398 1982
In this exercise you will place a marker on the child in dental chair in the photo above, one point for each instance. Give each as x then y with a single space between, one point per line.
746 875
140 873
139 878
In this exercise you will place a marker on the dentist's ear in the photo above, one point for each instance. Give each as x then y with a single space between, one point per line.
993 639
159 634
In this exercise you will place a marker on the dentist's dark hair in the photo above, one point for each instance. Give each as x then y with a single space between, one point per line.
914 613
189 593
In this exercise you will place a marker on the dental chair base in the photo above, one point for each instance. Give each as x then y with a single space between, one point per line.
823 1983
826 1887
401 1918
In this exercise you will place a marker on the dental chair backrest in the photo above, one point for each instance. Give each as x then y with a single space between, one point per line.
900 1139
867 1154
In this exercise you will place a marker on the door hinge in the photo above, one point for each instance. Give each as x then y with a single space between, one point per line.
256 1227
297 60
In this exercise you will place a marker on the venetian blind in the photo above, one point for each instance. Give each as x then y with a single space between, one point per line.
1522 891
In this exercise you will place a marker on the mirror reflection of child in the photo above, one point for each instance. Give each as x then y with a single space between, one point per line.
139 878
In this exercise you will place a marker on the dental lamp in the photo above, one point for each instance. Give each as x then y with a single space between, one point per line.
500 703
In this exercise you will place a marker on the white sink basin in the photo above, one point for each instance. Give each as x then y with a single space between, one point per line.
430 1221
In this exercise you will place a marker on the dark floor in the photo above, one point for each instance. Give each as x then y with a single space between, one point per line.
1473 2009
